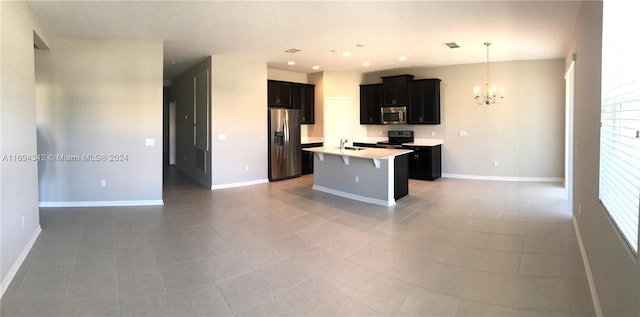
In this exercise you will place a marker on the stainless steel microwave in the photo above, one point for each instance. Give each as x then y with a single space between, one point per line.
393 115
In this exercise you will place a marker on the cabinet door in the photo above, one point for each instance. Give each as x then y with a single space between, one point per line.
424 102
395 90
370 103
296 95
308 104
415 110
279 93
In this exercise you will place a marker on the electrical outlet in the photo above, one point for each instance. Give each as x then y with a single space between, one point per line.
246 168
23 220
433 133
463 133
495 163
103 183
579 210
357 179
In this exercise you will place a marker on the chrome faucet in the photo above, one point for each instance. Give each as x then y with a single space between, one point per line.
343 141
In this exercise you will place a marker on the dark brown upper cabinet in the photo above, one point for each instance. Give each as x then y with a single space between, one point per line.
424 101
395 90
370 103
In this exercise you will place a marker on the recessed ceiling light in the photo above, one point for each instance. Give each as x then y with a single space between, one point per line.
291 63
366 64
402 58
316 67
346 54
452 44
293 50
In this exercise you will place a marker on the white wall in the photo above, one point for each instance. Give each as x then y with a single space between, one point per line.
18 179
284 75
525 133
238 111
615 271
100 97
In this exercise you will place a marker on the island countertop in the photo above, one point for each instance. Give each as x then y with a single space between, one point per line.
368 153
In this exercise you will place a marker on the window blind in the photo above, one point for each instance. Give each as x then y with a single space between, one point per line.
620 121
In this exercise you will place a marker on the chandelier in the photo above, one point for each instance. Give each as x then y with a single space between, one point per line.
490 96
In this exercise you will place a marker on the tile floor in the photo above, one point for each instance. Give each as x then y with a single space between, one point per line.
451 248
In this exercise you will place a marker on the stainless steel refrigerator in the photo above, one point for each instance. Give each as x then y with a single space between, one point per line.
284 143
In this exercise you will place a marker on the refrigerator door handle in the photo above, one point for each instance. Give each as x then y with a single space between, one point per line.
286 136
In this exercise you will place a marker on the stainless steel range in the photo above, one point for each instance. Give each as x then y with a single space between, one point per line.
396 138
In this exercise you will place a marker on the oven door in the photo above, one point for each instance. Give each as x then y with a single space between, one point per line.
393 115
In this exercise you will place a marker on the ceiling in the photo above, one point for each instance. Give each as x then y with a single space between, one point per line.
374 31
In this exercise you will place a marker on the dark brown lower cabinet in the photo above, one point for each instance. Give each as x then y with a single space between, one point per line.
425 162
307 158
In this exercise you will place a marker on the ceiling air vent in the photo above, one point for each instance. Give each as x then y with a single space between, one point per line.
452 45
293 50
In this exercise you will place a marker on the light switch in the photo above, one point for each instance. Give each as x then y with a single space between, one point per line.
463 133
222 136
150 142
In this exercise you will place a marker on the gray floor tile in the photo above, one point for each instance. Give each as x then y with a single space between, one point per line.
32 307
421 302
382 293
499 262
183 276
45 285
542 265
154 305
245 291
82 307
201 301
290 251
93 283
492 288
541 293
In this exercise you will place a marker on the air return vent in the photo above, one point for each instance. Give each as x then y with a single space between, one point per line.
452 45
293 50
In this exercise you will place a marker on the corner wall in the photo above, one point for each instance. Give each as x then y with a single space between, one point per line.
19 215
99 104
239 113
615 273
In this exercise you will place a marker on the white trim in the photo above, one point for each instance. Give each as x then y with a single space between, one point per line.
107 203
587 268
240 184
505 178
18 263
354 197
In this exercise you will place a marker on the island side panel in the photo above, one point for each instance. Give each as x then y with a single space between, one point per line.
401 176
374 183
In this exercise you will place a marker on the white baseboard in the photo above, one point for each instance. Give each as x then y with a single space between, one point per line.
18 263
505 178
353 196
239 184
106 203
587 268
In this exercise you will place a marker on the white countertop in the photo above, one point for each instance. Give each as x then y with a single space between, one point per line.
369 153
372 140
311 140
416 142
425 142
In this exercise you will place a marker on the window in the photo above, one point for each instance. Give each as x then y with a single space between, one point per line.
620 119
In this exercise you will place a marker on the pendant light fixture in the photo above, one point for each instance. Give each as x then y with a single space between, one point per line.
490 96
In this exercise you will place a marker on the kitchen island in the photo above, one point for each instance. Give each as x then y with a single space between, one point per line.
372 175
